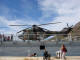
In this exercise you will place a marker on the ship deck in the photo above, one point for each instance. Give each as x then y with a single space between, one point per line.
38 58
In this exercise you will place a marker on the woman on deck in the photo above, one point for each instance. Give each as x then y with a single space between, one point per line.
63 50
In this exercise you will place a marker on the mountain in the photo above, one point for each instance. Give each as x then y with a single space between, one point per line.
76 29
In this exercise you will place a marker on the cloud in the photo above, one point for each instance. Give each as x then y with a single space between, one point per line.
65 11
8 17
4 10
4 22
68 12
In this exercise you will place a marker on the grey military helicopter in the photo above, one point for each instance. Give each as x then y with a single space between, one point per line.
34 32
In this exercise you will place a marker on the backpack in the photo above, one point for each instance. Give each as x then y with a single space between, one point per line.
65 50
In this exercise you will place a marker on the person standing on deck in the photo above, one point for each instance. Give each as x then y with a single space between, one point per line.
63 50
46 55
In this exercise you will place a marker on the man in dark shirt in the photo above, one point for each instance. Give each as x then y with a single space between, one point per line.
46 55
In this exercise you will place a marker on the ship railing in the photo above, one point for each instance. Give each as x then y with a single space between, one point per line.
36 37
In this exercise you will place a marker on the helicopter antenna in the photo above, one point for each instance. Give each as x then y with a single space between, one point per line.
67 25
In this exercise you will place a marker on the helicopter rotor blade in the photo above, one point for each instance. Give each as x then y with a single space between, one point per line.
49 23
37 25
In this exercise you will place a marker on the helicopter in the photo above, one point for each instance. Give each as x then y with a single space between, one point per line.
34 32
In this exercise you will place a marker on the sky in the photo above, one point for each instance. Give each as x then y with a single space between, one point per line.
38 12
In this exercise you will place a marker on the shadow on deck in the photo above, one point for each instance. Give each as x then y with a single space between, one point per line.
38 58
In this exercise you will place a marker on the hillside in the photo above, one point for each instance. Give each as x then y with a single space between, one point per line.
76 29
